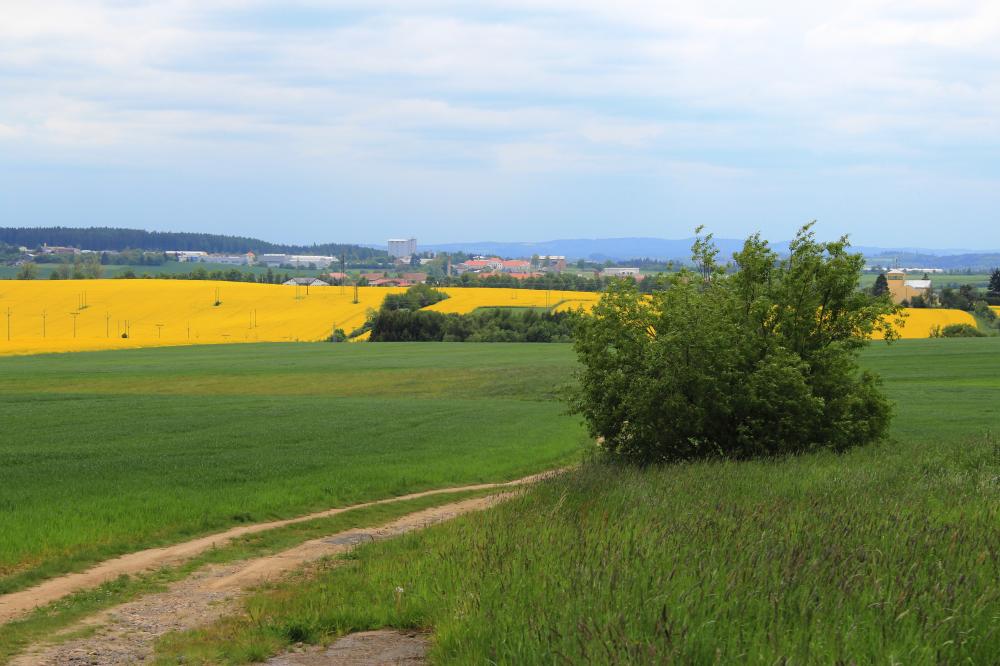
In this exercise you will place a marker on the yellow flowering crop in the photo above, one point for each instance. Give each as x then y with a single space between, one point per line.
177 312
171 312
463 300
920 321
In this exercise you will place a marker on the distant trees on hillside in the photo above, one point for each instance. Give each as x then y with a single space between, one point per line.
109 238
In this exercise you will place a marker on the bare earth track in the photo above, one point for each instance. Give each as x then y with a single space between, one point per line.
126 633
18 603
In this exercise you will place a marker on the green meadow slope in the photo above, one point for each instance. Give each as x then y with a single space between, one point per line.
887 554
109 452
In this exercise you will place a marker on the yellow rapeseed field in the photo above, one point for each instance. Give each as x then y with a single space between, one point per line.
463 300
44 313
920 321
171 312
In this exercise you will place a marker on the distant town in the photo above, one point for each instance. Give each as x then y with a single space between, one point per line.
402 262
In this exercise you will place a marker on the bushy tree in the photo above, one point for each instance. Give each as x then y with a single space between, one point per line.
28 271
881 286
995 281
761 361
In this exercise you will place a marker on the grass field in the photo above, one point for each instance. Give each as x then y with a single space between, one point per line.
108 452
940 280
887 554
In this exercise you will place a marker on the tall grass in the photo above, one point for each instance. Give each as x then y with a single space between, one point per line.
888 555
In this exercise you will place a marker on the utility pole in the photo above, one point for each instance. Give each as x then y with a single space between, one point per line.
159 331
74 315
8 324
107 324
43 323
355 292
343 272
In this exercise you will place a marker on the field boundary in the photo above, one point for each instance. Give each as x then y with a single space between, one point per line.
17 604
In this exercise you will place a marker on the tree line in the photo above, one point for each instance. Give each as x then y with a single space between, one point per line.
111 238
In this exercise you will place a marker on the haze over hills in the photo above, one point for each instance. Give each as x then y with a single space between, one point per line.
623 249
592 249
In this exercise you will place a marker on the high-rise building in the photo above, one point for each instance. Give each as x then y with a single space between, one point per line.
402 247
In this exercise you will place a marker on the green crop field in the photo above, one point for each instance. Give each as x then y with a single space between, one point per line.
108 452
939 280
886 554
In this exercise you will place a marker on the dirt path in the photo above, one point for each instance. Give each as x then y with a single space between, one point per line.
18 603
126 634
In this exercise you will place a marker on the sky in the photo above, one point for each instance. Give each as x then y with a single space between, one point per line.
505 119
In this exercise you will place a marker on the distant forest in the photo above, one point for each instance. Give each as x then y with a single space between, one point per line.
108 238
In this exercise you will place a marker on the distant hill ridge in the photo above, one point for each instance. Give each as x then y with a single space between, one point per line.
110 238
624 249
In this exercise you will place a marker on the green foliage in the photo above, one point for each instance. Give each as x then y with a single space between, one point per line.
483 325
416 297
554 281
28 271
882 554
881 286
983 310
963 298
108 238
231 433
758 362
961 331
995 281
338 335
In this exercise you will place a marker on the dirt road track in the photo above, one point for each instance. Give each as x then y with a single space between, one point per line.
126 634
18 603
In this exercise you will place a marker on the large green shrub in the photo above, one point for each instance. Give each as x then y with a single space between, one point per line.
759 361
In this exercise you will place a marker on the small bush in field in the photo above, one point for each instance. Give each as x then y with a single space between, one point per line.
961 331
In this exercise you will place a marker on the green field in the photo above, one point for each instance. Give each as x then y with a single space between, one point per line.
939 280
887 554
108 452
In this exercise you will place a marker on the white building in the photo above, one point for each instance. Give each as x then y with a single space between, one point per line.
296 260
272 260
186 255
310 261
228 259
402 247
616 271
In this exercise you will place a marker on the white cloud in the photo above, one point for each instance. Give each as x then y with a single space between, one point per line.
558 84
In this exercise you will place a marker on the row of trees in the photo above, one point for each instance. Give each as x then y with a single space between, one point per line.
487 325
109 238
